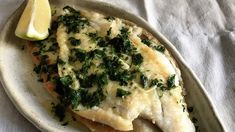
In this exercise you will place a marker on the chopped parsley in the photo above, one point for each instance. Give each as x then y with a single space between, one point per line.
99 40
171 81
137 59
66 80
122 93
146 41
60 61
74 42
115 72
158 83
101 79
121 45
109 31
73 20
143 80
75 98
92 99
86 82
78 54
154 82
93 36
72 97
160 48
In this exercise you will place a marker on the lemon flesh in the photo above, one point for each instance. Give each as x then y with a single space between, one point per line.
35 21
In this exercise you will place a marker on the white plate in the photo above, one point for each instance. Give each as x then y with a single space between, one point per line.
28 96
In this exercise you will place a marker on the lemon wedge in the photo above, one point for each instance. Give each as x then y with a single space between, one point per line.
35 20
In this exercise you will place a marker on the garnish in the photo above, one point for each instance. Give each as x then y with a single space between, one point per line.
73 20
160 48
143 80
122 93
146 41
74 42
137 59
171 81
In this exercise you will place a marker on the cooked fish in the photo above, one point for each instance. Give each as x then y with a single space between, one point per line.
113 72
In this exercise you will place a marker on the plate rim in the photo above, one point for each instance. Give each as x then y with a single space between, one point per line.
175 53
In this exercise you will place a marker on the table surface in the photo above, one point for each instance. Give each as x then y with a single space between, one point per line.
202 31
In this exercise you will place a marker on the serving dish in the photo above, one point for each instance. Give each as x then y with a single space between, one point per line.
20 83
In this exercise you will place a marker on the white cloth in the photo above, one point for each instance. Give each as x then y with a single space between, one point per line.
202 30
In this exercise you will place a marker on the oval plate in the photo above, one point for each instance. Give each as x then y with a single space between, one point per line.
33 102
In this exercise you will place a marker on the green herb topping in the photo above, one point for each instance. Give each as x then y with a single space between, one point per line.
160 48
74 42
143 80
73 20
171 81
122 93
137 59
66 80
146 41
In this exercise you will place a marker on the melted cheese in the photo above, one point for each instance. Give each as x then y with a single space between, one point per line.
164 110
